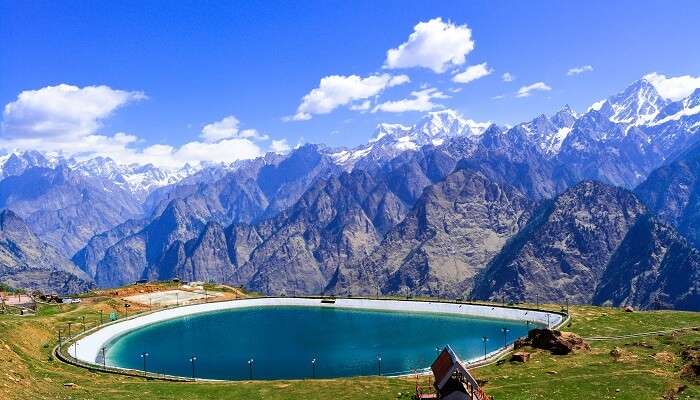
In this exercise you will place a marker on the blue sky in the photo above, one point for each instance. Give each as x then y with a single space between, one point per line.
179 66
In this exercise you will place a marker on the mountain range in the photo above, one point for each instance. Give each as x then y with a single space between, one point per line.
599 207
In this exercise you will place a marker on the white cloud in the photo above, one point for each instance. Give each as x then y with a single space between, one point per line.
579 70
507 77
280 146
223 129
498 97
525 90
65 119
227 128
434 44
337 90
363 106
472 73
421 101
673 88
62 110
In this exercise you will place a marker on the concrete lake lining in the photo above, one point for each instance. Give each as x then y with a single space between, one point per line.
87 349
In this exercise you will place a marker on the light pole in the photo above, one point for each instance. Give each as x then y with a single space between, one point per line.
69 335
379 365
126 309
100 317
75 350
104 359
313 369
250 368
192 361
484 339
505 336
144 356
547 320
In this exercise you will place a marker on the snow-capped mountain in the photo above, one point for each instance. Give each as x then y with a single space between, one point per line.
639 104
137 179
140 180
620 140
544 133
392 139
15 163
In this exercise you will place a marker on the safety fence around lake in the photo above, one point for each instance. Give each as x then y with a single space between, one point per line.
67 344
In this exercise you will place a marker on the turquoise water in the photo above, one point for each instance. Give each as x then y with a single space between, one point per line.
283 341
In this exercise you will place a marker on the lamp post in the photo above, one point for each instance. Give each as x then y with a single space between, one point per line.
69 335
104 359
250 368
126 309
484 339
379 365
505 336
192 361
144 355
75 350
547 320
100 317
313 369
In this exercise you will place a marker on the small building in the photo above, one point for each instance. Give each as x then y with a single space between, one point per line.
452 379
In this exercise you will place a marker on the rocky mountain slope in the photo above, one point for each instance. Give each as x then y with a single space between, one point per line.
27 262
654 267
64 208
565 248
673 193
454 229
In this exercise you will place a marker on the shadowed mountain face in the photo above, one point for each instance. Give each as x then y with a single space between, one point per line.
27 262
673 193
565 248
65 209
451 233
654 267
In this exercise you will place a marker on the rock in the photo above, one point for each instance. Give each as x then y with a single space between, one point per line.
520 357
69 384
629 309
616 353
554 341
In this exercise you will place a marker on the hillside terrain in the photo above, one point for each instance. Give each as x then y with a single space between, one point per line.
642 367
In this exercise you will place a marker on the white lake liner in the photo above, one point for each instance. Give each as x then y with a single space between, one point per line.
88 348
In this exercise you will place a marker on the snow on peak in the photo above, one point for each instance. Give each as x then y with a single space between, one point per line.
640 103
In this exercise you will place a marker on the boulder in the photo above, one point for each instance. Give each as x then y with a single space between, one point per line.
520 356
554 341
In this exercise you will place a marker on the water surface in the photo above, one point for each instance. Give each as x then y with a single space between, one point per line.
284 340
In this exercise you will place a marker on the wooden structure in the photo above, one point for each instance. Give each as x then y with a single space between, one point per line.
452 380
